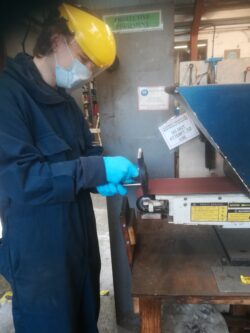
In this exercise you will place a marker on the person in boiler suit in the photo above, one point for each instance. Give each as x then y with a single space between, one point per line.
48 167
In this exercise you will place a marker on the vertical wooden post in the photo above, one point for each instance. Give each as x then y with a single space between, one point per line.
150 315
238 311
198 11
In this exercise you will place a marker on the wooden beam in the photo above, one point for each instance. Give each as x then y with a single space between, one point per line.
214 22
187 9
198 11
150 315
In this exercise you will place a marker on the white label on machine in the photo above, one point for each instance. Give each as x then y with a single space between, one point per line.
178 130
152 99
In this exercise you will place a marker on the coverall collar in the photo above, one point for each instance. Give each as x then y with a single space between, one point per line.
23 69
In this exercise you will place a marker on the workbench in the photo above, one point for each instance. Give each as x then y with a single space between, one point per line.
172 264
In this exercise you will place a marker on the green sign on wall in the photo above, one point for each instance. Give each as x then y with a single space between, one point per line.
131 22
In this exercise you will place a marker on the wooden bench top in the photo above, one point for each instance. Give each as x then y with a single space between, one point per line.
173 262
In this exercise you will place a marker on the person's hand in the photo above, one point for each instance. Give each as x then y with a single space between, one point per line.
110 189
119 169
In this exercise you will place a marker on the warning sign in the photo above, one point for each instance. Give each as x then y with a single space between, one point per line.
239 216
178 130
239 212
209 212
220 212
136 21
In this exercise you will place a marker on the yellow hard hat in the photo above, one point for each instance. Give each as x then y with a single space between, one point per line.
92 34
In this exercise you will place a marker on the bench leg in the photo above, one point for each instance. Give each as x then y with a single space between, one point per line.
238 319
150 315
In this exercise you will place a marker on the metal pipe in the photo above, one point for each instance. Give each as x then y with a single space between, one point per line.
131 184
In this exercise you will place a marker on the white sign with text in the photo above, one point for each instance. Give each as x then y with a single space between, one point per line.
152 99
178 130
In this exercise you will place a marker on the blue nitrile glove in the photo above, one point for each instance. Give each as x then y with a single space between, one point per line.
119 169
110 189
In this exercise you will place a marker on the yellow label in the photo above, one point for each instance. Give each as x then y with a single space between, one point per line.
245 279
239 205
208 212
239 217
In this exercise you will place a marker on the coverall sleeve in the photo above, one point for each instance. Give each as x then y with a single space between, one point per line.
25 175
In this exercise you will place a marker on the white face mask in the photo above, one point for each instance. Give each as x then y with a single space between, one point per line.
73 77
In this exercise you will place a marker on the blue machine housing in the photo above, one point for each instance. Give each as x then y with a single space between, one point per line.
222 114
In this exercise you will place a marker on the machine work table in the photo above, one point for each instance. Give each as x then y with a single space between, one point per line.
173 264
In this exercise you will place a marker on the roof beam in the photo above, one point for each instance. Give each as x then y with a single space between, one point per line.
217 6
216 22
198 11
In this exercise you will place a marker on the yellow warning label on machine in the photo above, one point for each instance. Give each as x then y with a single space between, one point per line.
245 279
239 212
238 205
238 216
209 212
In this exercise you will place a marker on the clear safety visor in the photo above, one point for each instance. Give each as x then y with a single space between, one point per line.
97 71
84 59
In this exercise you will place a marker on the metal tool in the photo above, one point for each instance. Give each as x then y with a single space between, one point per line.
245 73
190 81
146 203
142 179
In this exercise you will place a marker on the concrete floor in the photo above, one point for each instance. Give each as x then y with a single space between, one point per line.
175 318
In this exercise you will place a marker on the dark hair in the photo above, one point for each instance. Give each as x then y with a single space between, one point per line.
56 25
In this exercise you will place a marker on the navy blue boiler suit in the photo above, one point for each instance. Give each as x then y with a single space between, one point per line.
49 251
